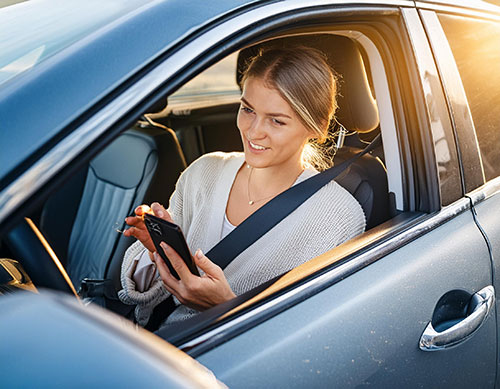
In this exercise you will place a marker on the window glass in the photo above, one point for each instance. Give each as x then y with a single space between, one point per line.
476 48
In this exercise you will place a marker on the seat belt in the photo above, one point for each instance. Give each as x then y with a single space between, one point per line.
273 212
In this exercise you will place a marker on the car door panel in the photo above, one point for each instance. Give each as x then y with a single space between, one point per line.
366 328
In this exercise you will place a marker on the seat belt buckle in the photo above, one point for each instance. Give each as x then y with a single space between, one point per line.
90 288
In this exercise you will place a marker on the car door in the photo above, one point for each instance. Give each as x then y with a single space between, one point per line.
477 88
365 320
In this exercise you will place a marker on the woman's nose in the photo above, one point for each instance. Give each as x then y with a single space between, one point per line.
256 129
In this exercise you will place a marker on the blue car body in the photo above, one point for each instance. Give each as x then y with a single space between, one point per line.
409 303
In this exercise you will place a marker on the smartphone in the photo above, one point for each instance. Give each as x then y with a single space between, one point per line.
163 231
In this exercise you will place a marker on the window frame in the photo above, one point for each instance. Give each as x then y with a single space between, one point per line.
451 187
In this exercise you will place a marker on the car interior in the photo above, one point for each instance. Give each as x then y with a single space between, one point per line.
81 220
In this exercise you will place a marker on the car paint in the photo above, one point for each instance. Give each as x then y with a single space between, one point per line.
365 329
53 341
362 322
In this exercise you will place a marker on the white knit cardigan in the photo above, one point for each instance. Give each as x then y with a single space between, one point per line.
328 218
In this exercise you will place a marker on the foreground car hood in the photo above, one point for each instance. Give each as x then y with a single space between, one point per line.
51 339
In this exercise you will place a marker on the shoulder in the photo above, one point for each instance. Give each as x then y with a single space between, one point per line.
213 161
336 205
209 166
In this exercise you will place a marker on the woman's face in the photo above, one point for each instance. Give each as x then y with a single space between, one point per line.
272 134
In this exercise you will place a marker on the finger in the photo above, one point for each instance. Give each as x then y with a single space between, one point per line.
132 231
139 233
160 211
168 217
176 261
169 286
167 277
205 264
134 220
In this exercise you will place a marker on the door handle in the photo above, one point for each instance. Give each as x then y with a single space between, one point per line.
482 302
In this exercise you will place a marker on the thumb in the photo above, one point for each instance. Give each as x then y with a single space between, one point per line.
205 264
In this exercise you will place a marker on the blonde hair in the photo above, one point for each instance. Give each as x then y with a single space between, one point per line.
304 79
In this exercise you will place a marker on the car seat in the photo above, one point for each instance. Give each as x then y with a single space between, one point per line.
366 178
80 219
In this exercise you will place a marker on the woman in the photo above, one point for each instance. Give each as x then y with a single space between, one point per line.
288 100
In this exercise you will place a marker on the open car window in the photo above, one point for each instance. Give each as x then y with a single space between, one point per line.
200 117
205 125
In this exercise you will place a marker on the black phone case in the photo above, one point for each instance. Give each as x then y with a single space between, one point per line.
163 231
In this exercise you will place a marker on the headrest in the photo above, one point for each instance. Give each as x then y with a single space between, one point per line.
357 109
123 162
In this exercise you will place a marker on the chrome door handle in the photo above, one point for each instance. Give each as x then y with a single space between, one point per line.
431 340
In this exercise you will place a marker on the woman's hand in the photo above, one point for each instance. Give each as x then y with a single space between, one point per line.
138 228
196 292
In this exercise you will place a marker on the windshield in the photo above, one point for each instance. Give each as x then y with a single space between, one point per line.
32 31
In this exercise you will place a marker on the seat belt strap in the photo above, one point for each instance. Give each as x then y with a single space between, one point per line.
269 215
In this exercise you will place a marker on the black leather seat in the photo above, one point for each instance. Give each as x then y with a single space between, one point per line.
366 178
80 220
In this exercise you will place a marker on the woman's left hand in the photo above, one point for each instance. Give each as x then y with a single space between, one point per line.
193 291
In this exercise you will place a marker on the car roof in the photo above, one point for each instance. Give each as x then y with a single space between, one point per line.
81 61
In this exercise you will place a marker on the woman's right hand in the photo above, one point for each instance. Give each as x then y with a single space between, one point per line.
138 228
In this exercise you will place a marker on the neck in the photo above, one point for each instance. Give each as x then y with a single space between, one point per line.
276 176
265 183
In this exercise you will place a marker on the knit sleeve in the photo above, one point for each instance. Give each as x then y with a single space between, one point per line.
176 203
144 301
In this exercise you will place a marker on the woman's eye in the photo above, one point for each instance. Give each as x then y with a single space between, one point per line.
246 109
278 122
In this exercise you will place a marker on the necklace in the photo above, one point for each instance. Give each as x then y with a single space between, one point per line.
252 202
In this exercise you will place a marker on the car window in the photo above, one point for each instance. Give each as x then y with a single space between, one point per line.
476 48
